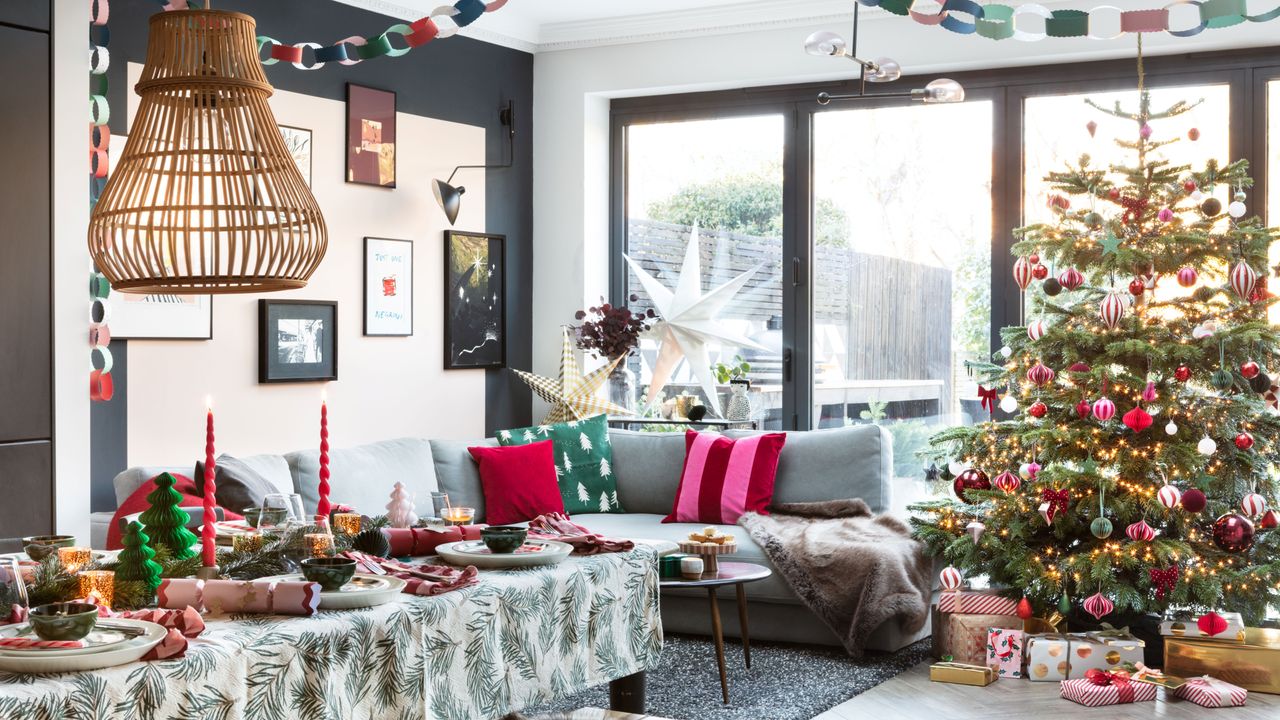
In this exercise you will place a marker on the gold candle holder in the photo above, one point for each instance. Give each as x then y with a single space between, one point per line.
457 515
74 558
98 586
319 544
247 542
347 523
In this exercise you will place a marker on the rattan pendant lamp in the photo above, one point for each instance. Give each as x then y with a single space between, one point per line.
205 198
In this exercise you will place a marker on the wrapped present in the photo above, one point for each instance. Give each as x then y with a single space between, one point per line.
1058 656
964 637
1253 665
1224 627
1212 693
976 603
1004 652
961 674
1106 687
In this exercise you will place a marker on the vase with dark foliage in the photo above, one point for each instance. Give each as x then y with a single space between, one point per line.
608 332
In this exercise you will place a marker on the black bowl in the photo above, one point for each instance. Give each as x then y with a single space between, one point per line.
503 539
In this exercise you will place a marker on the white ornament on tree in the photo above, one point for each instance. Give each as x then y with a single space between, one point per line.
1009 403
1006 352
1207 446
976 528
400 510
1171 428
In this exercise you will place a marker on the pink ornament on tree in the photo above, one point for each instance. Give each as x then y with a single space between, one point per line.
1149 392
1104 409
1041 374
1008 482
1070 278
1165 215
1145 131
1098 606
1111 310
1140 532
1187 276
1243 279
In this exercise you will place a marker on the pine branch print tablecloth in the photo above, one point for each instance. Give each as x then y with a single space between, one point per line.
519 638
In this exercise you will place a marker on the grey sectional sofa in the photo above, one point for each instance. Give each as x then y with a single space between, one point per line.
814 465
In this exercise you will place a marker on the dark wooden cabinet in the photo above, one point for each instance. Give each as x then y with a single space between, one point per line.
26 13
26 477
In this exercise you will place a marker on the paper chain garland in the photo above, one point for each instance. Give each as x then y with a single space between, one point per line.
1105 22
455 17
101 386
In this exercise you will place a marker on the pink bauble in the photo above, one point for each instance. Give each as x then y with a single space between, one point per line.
1071 278
1187 276
1098 606
1140 532
1165 215
1253 505
1169 496
1104 409
1111 310
1243 279
1041 374
951 578
1033 469
1022 271
1008 482
1037 329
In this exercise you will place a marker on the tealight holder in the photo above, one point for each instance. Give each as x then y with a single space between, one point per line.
459 515
98 586
74 558
319 544
247 542
347 523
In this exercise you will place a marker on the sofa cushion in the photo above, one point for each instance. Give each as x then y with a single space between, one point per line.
133 478
583 461
647 466
519 482
362 476
724 478
243 482
458 474
833 464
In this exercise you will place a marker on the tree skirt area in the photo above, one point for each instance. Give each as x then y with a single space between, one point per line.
785 682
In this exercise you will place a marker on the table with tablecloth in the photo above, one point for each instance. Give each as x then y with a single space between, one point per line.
516 639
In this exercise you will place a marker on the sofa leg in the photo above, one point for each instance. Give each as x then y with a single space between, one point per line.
626 694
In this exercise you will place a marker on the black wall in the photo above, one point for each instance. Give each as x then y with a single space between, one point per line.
455 79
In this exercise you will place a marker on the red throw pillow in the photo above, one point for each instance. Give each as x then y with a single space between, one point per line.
724 479
519 482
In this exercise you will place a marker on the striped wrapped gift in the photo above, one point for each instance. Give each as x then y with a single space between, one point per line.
1087 692
976 603
1212 693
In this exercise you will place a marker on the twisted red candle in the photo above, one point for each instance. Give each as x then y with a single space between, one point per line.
322 509
206 531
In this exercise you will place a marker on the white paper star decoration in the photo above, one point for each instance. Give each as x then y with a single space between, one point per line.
687 321
572 396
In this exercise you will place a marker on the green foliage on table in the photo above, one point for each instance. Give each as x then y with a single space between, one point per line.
165 521
51 583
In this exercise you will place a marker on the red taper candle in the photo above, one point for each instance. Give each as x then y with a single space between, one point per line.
208 557
323 507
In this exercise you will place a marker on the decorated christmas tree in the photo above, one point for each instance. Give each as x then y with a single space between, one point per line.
166 522
137 573
1130 467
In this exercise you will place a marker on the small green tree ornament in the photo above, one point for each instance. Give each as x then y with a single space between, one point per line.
166 522
137 573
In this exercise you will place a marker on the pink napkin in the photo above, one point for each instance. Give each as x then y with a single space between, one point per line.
455 579
17 614
557 526
181 624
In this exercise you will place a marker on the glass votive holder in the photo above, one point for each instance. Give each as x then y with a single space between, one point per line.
74 558
347 523
98 587
319 544
458 515
247 542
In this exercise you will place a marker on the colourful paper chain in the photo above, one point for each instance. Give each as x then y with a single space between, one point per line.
1105 22
445 21
101 386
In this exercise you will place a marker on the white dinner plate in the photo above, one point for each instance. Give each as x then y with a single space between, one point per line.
363 591
105 656
474 552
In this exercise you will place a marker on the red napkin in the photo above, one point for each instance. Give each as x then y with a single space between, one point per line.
181 624
455 579
17 614
557 526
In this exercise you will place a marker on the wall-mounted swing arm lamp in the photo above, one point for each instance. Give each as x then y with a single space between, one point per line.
450 197
825 43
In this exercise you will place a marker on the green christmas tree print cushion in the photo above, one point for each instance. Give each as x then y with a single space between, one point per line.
584 462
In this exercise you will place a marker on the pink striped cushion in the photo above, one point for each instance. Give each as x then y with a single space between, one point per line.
724 479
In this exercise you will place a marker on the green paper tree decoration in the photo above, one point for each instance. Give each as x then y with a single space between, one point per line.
135 562
166 522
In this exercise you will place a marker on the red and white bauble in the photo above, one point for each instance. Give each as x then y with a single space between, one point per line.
1111 310
1187 276
951 578
1244 441
1098 606
1253 505
1022 270
1041 374
1008 482
1140 532
1169 496
1243 279
1104 409
1036 329
1070 278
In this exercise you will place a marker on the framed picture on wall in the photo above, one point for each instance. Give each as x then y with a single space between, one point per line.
297 341
298 140
475 318
371 136
388 287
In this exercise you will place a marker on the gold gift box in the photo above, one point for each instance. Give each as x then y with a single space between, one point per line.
1253 665
962 674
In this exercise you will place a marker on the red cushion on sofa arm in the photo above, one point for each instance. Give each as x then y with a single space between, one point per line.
137 503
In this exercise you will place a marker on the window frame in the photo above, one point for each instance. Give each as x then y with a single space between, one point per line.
1246 72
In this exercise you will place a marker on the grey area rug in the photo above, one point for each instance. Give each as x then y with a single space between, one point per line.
785 682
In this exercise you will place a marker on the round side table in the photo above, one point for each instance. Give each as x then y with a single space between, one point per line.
737 574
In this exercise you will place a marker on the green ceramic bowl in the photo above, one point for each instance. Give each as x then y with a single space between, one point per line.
64 621
331 572
39 547
274 516
503 539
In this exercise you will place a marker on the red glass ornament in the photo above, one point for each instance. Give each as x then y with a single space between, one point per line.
1189 186
1034 258
1137 287
1083 409
1269 520
1183 373
1040 272
971 479
1114 193
1211 623
1137 419
1038 409
1250 369
1193 500
1233 533
1244 441
1025 610
1193 134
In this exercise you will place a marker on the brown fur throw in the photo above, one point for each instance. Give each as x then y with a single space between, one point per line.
853 569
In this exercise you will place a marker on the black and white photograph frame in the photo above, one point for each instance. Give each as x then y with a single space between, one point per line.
475 315
388 287
297 341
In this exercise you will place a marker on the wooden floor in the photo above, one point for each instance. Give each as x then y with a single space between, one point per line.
912 695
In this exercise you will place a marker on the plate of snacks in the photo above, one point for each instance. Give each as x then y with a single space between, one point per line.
709 543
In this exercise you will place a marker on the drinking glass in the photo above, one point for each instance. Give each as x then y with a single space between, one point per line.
13 591
275 513
439 501
318 537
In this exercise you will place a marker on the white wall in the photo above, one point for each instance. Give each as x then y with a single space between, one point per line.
572 89
387 387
